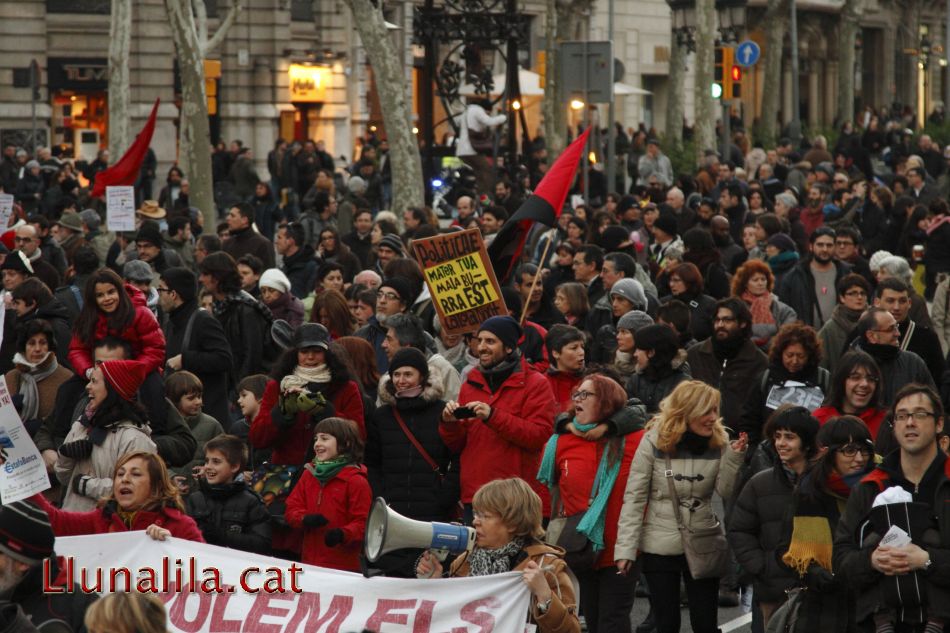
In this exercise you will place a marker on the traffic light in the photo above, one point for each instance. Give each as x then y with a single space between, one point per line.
735 80
719 73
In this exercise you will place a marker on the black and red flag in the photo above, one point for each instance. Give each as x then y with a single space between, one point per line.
126 171
543 206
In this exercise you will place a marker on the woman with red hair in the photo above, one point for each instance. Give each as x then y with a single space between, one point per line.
587 468
753 283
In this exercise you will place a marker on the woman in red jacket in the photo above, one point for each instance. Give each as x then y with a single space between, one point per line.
855 390
588 469
333 497
143 498
307 384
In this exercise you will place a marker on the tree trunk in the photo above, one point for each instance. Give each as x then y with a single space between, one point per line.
194 151
776 23
120 97
848 30
705 104
408 186
553 108
675 108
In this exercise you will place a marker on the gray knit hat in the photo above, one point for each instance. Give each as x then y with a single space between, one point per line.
632 291
91 219
634 320
137 270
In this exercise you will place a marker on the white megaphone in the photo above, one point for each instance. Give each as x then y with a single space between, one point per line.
387 531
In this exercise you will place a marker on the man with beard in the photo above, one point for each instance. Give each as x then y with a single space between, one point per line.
732 207
893 295
729 360
847 250
394 296
854 292
812 215
504 438
878 334
809 287
722 238
26 541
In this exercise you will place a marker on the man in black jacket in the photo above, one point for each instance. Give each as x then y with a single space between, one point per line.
919 572
244 240
809 287
195 341
359 239
893 295
299 264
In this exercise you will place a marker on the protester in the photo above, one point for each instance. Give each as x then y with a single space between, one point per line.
753 283
660 366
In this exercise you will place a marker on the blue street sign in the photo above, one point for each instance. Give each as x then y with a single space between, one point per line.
747 53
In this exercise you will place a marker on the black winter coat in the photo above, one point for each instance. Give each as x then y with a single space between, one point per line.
397 471
246 322
50 611
757 533
650 390
755 412
206 354
702 311
937 255
301 270
734 378
231 515
904 368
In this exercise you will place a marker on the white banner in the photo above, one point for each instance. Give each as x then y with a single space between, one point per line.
23 472
6 210
120 208
237 591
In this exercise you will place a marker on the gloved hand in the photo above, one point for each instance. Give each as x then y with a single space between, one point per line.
310 402
77 449
288 404
214 534
79 484
819 579
333 537
282 418
315 521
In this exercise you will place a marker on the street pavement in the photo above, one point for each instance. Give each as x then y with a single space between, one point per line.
731 620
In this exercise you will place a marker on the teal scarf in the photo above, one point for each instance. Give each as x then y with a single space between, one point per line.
325 471
782 258
592 523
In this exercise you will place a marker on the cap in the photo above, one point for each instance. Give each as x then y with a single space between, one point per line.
91 219
782 242
392 242
274 279
402 286
634 320
632 291
125 376
505 328
18 261
149 232
150 209
311 335
409 357
137 270
666 222
70 221
25 532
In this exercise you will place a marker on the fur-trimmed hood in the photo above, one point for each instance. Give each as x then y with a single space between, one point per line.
433 391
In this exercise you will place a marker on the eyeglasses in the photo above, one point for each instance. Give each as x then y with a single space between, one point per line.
23 240
388 296
888 330
164 290
919 416
484 516
581 396
850 450
856 377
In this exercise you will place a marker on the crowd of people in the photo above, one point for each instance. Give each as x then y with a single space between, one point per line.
731 380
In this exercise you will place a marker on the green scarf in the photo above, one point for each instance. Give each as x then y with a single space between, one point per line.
594 519
325 471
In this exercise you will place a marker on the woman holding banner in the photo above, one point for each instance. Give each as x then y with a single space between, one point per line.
508 536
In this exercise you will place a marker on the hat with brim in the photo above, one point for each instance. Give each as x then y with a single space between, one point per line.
70 221
150 209
311 335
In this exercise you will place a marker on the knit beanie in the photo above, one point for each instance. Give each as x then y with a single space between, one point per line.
799 421
136 270
782 242
26 535
182 281
505 328
613 238
634 320
274 279
632 291
409 357
875 262
403 288
149 232
392 242
666 222
125 376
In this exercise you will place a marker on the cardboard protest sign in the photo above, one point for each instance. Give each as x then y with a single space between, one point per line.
461 279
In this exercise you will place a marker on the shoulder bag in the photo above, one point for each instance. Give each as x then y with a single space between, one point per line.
706 549
579 553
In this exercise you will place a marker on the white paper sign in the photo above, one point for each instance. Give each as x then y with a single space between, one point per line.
6 209
895 537
239 591
120 208
23 473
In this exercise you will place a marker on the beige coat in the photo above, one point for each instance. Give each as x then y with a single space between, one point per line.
647 521
124 437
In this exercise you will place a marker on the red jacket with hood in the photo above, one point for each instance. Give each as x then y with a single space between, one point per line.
106 519
144 335
345 501
872 417
511 441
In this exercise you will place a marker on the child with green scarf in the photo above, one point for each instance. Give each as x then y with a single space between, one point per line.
332 499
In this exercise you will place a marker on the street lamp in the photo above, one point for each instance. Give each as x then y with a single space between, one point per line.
684 22
731 19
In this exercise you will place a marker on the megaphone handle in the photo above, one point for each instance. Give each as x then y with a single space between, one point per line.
441 555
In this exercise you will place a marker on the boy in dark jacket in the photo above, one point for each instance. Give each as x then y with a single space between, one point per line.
226 510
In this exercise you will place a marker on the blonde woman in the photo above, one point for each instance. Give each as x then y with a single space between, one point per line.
131 612
689 430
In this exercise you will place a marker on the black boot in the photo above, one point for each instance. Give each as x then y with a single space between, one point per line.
649 623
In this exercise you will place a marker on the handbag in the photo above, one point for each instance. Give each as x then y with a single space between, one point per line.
579 553
706 549
274 482
785 618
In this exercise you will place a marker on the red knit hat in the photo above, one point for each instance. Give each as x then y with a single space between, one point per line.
125 376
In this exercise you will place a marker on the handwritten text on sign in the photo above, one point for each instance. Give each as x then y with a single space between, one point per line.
460 279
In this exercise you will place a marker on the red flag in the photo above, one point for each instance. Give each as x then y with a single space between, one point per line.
126 171
544 206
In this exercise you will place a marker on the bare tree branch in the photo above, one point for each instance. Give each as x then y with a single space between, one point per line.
201 20
209 45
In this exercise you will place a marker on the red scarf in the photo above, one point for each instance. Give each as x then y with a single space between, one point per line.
761 306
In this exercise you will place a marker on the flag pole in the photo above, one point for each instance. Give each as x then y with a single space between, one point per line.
537 275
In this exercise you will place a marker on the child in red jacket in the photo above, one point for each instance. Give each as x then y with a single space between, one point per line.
333 497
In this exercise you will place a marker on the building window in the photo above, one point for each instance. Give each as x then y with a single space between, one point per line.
301 10
98 7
